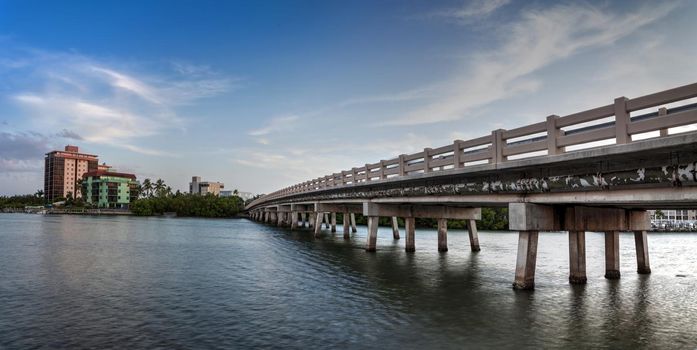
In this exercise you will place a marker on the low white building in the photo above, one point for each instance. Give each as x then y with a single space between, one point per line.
196 186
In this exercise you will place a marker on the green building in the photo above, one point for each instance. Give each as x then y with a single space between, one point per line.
108 189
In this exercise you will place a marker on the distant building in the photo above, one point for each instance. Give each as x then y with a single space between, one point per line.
104 167
63 169
196 186
109 189
226 193
669 214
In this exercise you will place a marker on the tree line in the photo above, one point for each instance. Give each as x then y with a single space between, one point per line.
156 198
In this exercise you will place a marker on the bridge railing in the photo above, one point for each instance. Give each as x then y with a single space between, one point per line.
612 122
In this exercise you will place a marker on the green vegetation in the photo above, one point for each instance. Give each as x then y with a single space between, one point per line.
157 198
209 206
20 201
493 219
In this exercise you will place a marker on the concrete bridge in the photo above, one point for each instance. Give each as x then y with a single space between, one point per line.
596 170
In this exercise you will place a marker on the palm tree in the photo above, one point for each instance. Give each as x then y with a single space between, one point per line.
39 194
146 188
168 191
159 187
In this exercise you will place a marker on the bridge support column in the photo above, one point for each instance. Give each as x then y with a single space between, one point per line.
303 220
326 220
353 223
474 236
293 220
347 224
612 254
410 228
395 228
372 233
642 252
525 263
442 235
318 224
577 257
311 219
333 219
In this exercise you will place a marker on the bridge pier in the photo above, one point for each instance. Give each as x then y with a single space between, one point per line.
577 257
372 233
410 212
442 235
333 222
353 223
410 229
326 220
318 223
525 263
474 236
395 228
612 254
528 217
293 220
303 220
347 219
642 252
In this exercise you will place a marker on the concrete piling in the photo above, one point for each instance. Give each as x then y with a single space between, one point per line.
318 224
525 262
353 223
409 227
642 252
395 228
347 234
442 235
372 233
333 222
612 254
577 257
474 235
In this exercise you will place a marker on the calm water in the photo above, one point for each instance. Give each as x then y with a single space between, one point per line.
102 282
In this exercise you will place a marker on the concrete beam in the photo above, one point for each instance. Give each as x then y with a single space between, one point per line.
338 208
302 207
532 217
421 211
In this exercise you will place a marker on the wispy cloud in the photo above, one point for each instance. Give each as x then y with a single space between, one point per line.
475 9
541 37
101 102
275 124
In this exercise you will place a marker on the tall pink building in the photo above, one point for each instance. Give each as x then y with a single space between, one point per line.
63 169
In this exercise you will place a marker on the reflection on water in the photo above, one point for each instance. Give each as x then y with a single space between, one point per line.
101 282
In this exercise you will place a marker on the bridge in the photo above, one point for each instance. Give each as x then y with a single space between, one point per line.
597 170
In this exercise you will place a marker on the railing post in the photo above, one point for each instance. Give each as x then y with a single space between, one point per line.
427 160
457 163
662 112
497 144
553 134
382 170
367 173
621 121
402 165
353 176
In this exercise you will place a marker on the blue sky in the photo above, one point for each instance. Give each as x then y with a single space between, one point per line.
264 94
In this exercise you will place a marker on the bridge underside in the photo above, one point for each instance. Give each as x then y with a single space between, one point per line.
605 189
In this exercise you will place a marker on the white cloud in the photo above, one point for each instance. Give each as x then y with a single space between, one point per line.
540 38
131 84
103 103
275 124
473 10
